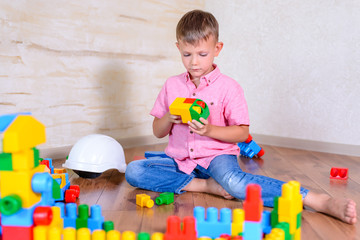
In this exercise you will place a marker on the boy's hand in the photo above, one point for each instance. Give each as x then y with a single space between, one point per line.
202 128
174 118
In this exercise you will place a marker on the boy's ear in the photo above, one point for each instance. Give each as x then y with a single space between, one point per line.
218 47
177 45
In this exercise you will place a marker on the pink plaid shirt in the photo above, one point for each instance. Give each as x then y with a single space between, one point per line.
227 105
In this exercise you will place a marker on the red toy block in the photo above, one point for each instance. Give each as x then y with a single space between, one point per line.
76 188
17 233
339 173
174 232
253 204
42 216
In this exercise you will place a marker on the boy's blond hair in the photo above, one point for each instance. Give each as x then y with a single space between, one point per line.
197 25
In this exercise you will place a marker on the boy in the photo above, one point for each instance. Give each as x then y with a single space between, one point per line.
202 156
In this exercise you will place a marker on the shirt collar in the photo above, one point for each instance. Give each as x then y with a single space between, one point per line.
209 78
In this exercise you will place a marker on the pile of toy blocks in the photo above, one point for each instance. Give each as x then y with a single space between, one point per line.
30 209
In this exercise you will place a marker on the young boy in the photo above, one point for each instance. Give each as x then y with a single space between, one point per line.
202 156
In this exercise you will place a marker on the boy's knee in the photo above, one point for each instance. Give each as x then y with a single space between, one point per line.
133 172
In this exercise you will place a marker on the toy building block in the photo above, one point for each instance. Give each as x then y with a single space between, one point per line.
253 204
128 235
339 173
82 219
275 234
212 227
253 230
157 236
70 215
174 231
108 226
151 154
96 220
83 234
42 215
69 234
25 132
144 200
113 235
143 236
250 148
189 109
165 198
17 233
98 234
237 226
266 222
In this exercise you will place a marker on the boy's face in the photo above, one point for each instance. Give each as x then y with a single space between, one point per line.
198 59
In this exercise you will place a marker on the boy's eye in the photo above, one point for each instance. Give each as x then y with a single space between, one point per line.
203 54
186 54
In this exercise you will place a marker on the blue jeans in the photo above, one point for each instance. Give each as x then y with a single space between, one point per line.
161 174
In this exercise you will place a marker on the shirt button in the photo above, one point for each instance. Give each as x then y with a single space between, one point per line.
193 94
191 150
191 132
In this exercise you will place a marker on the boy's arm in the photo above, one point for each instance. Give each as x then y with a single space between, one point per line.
162 126
232 134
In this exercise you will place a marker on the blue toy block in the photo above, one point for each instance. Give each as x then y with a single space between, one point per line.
22 218
151 154
252 230
42 183
250 149
70 215
212 227
96 220
63 189
266 222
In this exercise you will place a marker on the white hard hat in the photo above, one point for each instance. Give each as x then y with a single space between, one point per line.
96 153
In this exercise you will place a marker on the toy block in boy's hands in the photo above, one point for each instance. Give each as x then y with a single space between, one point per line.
339 173
144 200
250 148
189 109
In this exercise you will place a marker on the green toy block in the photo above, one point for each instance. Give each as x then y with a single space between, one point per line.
82 219
298 220
108 226
274 213
56 192
165 198
286 227
10 204
5 162
36 157
143 236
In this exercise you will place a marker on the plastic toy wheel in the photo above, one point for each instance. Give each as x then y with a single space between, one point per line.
76 188
42 216
85 174
261 153
70 196
248 139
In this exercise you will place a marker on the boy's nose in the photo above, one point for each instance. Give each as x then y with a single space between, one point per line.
194 61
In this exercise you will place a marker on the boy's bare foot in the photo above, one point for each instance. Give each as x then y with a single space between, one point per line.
341 208
208 186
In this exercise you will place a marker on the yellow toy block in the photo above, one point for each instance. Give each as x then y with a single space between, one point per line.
23 160
113 235
54 233
297 234
98 235
157 236
69 233
25 132
57 221
178 107
276 234
83 234
19 183
62 177
238 221
144 200
128 235
40 233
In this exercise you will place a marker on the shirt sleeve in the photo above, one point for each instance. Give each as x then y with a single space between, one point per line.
161 106
236 109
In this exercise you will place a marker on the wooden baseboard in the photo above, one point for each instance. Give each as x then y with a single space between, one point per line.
336 148
63 152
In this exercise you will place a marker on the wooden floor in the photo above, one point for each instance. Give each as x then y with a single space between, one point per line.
311 169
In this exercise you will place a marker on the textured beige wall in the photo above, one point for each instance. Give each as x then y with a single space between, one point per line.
86 67
299 64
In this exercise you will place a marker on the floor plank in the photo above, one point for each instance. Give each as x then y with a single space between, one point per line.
311 169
